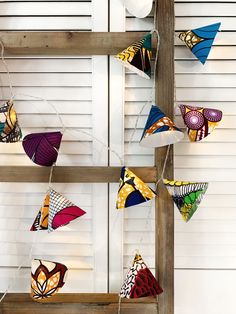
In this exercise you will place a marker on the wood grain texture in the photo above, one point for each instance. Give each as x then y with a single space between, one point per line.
68 43
21 303
164 204
72 174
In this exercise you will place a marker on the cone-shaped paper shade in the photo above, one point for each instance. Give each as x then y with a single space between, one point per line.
42 148
186 195
200 40
46 279
10 131
132 190
137 57
159 130
139 9
200 121
139 281
56 212
61 211
41 221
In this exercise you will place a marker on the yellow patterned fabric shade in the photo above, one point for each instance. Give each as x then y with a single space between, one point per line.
10 131
137 57
46 279
132 190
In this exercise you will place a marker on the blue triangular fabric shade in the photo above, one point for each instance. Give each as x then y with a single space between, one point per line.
159 130
200 40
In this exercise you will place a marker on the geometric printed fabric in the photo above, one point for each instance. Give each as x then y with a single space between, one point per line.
10 131
139 281
200 40
56 212
137 57
46 279
132 190
186 195
200 121
42 148
159 130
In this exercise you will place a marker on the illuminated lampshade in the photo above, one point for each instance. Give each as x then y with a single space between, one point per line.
159 130
56 212
46 279
42 148
200 121
139 281
132 190
186 195
137 57
10 131
139 9
200 40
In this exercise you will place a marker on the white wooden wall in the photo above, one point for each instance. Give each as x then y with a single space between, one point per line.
205 258
77 88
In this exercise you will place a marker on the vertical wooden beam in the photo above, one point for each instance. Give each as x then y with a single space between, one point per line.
164 206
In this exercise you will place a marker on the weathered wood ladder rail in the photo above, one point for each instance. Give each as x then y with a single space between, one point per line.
93 43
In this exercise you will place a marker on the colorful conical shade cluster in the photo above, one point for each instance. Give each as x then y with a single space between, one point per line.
46 279
132 190
56 212
200 40
10 131
139 281
139 9
186 195
159 130
137 57
42 148
200 121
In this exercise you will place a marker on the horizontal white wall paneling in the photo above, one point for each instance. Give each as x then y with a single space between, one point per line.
77 87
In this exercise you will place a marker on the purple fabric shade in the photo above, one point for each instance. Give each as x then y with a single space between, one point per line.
42 148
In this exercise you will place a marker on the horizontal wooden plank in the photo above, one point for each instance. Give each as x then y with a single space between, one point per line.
96 298
72 174
62 43
72 303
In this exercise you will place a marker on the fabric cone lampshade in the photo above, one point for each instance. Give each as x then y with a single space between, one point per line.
186 195
139 281
46 279
139 9
137 57
200 121
56 212
132 190
159 130
200 40
42 148
10 131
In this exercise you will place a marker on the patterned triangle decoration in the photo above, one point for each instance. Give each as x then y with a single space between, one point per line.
56 212
137 57
139 281
47 278
200 121
42 148
132 190
159 130
10 131
186 195
200 40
